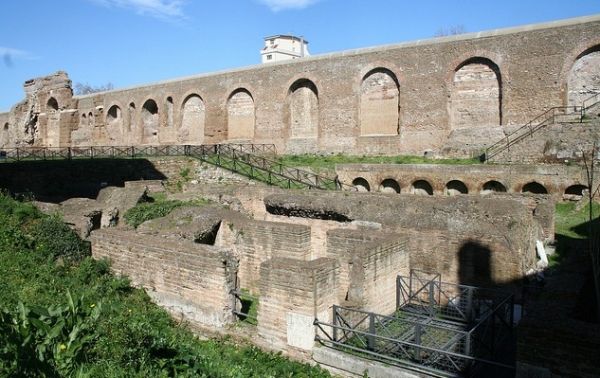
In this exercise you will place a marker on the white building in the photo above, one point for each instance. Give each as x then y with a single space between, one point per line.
283 47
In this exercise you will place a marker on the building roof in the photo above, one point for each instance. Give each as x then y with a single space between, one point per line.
288 36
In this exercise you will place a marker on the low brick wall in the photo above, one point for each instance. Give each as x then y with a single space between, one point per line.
556 178
468 239
370 261
187 278
254 242
293 294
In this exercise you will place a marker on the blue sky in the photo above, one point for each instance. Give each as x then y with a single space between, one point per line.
130 42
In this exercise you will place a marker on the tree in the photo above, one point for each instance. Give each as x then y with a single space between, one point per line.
452 30
593 232
85 88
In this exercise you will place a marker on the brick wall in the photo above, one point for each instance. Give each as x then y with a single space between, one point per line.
293 294
188 279
254 242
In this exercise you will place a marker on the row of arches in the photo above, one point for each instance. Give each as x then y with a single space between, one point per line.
457 187
475 96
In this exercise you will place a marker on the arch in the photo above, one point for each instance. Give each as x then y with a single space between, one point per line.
6 126
131 120
52 105
476 94
421 187
534 187
379 103
575 190
583 79
455 187
83 120
113 115
303 99
91 119
240 115
192 120
169 106
361 184
389 186
493 186
150 122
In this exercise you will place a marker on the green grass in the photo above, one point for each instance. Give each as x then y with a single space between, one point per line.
326 163
63 314
571 229
156 207
249 304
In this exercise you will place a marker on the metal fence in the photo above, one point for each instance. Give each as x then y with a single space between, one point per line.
441 329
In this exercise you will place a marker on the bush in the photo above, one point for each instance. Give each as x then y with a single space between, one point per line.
150 210
53 238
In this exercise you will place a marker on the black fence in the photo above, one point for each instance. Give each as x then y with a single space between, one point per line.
438 328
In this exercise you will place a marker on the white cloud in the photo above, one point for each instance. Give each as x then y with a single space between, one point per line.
9 55
278 5
163 9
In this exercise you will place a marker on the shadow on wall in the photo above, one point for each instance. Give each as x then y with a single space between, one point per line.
474 265
56 181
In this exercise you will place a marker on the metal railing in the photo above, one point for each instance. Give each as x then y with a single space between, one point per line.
440 329
250 160
548 117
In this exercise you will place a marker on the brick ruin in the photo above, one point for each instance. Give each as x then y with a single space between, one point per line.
300 252
450 96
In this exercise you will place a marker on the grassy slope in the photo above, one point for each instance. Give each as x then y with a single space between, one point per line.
122 333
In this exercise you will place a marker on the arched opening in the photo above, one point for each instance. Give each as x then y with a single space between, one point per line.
379 103
304 110
192 120
534 187
169 105
52 104
131 121
113 115
584 77
575 192
476 95
455 187
6 126
361 184
91 119
83 120
150 122
389 186
422 188
493 187
240 115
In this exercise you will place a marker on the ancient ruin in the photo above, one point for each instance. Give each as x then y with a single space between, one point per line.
330 269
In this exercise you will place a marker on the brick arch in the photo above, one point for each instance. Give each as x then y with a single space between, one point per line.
421 186
302 116
193 117
493 185
570 59
534 187
574 93
149 119
469 104
389 185
361 184
241 115
379 102
52 105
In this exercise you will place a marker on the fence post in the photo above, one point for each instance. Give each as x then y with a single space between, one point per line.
469 305
69 156
371 336
431 297
468 343
335 322
418 342
17 153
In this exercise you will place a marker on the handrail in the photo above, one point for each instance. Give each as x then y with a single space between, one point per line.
538 122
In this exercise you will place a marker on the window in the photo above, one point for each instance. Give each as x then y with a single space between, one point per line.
269 57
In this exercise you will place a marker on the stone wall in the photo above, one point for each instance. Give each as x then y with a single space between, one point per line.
255 242
187 278
475 179
370 261
324 103
453 236
293 294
